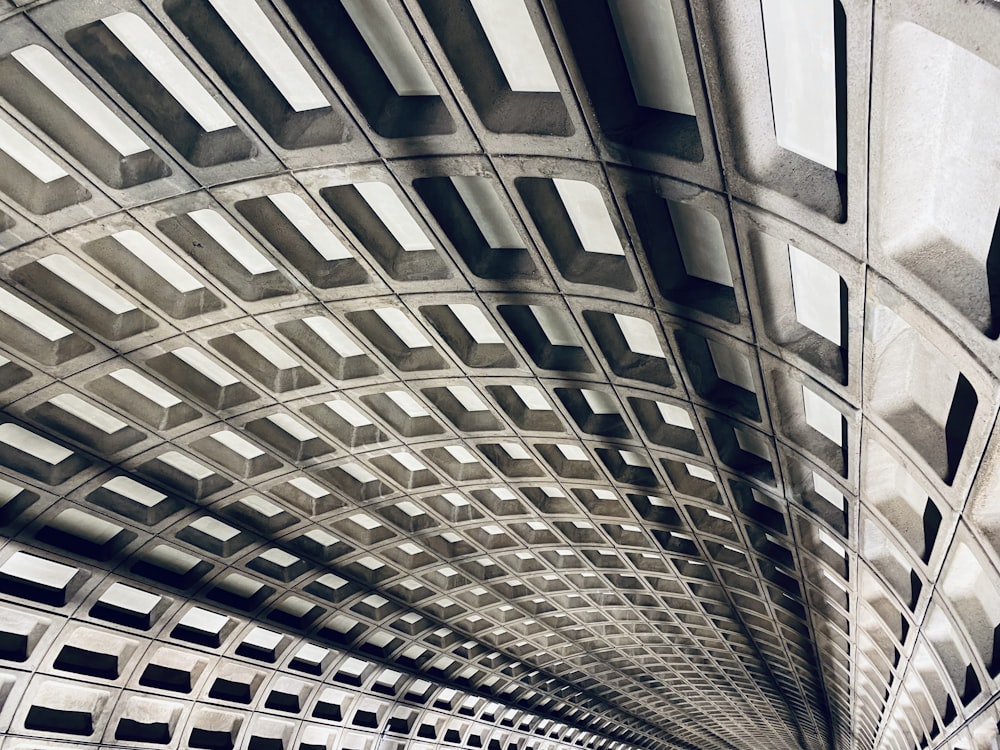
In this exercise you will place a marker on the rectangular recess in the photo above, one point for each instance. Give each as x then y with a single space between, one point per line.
40 85
475 219
130 55
972 591
140 263
146 45
604 63
84 297
936 167
222 249
921 392
686 251
369 50
502 66
54 76
384 226
32 178
575 225
260 66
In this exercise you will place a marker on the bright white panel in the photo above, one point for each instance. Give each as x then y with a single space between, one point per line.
292 427
515 43
29 156
822 416
674 415
349 413
33 444
699 472
205 366
599 401
27 315
157 261
468 398
480 197
589 216
731 365
70 271
252 27
700 241
310 226
267 349
408 461
798 35
476 323
531 397
402 327
234 243
388 42
237 444
828 492
648 35
410 406
640 336
383 200
146 387
157 58
557 326
333 336
79 408
816 290
52 74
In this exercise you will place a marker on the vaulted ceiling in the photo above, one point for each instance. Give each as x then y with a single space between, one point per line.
502 374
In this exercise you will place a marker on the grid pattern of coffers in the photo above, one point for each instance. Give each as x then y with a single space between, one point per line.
428 373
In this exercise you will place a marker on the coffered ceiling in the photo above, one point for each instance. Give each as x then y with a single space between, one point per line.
501 374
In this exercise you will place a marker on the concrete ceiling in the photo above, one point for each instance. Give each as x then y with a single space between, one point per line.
608 374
